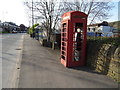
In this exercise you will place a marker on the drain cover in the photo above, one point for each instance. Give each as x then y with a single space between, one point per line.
18 68
18 49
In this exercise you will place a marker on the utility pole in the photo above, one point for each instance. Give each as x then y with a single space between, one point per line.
33 34
118 18
32 14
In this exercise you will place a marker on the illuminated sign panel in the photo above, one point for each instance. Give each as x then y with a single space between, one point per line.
67 17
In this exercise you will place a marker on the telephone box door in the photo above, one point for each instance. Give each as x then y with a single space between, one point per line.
64 43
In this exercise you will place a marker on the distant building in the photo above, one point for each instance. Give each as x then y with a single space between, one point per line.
22 28
1 29
9 27
101 29
106 31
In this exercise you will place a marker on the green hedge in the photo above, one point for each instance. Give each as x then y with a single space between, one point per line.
104 40
31 29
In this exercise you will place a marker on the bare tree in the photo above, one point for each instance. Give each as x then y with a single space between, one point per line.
49 12
95 9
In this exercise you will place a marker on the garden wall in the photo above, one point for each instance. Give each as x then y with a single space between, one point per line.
103 55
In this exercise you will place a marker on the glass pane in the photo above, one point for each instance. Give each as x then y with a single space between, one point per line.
78 34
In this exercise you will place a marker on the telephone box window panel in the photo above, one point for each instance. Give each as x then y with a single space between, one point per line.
73 38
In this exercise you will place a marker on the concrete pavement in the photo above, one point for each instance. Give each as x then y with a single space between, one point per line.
41 68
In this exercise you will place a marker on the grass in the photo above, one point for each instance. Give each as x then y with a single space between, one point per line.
3 32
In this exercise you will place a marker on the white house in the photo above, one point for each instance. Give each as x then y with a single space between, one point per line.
101 29
106 31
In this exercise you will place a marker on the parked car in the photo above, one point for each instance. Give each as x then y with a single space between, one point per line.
14 31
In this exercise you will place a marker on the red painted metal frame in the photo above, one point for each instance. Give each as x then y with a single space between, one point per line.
70 18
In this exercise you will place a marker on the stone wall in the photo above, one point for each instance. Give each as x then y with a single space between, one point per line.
104 57
114 67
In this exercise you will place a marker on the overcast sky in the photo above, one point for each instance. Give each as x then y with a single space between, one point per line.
14 11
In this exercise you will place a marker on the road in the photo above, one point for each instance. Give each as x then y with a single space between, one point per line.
0 61
11 55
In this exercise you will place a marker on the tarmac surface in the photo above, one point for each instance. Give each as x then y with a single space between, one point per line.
41 68
11 51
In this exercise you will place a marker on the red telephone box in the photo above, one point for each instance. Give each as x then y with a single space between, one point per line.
73 38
